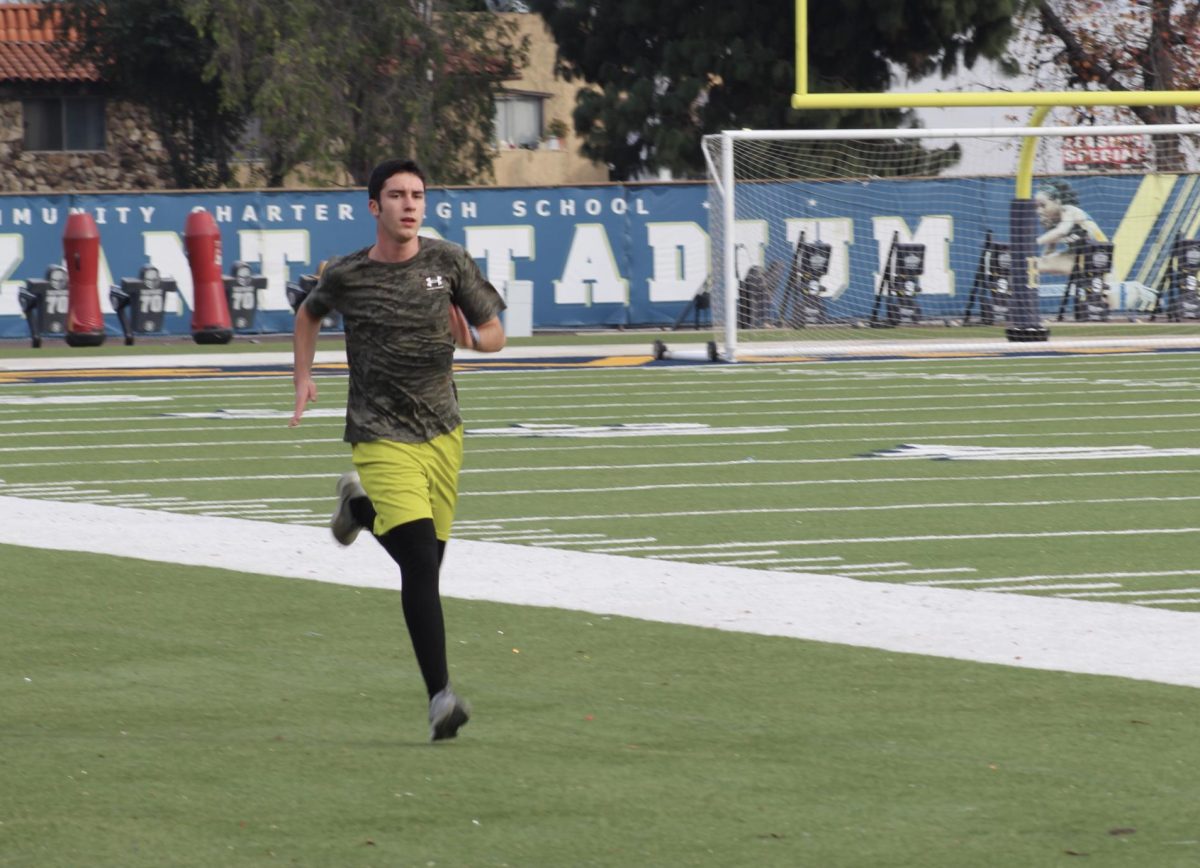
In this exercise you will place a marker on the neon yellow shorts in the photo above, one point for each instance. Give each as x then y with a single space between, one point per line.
409 481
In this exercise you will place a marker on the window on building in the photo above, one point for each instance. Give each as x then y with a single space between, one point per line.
519 120
64 124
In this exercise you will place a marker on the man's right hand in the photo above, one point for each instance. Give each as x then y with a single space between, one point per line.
306 390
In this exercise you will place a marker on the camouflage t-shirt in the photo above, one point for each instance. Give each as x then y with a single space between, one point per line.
398 343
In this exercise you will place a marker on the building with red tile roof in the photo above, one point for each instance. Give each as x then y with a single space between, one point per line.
29 47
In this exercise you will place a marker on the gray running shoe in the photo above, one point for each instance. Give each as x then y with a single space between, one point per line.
446 714
343 524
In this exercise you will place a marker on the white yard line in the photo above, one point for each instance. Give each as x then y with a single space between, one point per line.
1038 633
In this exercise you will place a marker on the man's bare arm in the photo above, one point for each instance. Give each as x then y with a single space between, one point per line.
304 348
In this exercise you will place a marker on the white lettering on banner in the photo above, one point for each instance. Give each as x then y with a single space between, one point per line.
590 275
12 254
838 233
223 214
50 215
936 233
249 215
345 212
165 251
321 212
679 257
749 245
273 249
498 246
466 210
147 213
567 207
274 214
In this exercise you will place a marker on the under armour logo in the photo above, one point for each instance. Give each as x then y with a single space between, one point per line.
434 282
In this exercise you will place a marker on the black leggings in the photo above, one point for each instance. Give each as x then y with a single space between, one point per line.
414 546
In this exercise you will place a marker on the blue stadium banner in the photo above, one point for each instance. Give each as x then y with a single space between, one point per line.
588 256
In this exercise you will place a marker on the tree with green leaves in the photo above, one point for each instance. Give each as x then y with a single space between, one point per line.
151 53
334 86
661 75
342 84
1130 46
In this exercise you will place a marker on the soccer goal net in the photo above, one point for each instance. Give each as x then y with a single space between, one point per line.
823 236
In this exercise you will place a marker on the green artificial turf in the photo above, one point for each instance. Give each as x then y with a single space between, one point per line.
158 715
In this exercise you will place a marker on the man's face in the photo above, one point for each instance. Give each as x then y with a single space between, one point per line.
401 206
1049 211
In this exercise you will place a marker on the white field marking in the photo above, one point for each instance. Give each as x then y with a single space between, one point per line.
1057 534
134 499
764 561
557 540
914 572
1052 576
197 459
193 504
109 432
1181 602
44 400
625 427
620 429
553 446
1134 593
173 445
636 539
964 405
688 556
339 413
1024 589
834 390
504 403
725 546
842 566
263 513
260 413
34 488
687 513
1014 630
573 539
922 451
694 554
664 418
178 479
994 504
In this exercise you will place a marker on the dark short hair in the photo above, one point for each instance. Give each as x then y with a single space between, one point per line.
1060 191
386 169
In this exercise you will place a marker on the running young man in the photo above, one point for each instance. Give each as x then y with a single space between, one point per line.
406 302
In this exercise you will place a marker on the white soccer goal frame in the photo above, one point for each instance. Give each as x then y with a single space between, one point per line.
721 177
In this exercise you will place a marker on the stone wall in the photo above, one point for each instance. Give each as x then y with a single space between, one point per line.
134 159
